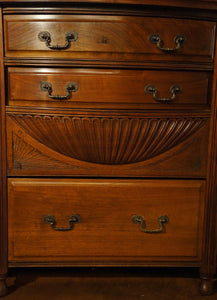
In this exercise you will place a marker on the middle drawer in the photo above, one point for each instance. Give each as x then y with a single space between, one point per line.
107 88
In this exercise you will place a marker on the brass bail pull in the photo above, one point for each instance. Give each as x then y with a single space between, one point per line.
152 90
71 87
45 36
156 39
139 220
50 219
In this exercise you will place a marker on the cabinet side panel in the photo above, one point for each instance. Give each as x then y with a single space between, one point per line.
3 197
208 268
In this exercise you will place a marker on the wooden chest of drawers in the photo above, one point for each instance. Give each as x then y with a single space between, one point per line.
108 135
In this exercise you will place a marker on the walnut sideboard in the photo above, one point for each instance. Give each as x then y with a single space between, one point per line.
108 134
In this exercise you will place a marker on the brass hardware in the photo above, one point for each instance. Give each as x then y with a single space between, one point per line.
50 219
71 36
156 39
139 220
47 87
152 90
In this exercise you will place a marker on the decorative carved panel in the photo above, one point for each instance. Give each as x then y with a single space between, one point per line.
24 154
112 141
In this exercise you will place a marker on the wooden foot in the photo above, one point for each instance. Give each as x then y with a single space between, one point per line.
3 287
206 286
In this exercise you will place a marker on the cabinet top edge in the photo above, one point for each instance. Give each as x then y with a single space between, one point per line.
192 4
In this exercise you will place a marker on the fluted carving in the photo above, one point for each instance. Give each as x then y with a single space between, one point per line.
108 140
25 156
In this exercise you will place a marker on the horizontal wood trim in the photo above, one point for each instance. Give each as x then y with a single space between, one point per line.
110 263
201 4
51 62
111 9
177 113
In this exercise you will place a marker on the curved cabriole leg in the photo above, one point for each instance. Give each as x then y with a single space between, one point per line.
206 286
3 286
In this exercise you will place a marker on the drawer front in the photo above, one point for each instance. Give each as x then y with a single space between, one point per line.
107 88
107 144
108 228
108 37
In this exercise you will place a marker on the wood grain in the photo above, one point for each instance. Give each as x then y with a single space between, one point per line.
108 88
106 232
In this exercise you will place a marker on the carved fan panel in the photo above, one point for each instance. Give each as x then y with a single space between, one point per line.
114 141
25 155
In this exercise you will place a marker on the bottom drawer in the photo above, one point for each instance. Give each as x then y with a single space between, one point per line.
107 230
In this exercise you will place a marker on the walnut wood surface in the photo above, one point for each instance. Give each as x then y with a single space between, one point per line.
112 58
108 88
108 37
106 231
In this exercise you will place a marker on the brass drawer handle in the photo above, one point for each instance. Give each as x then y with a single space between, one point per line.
152 90
71 36
139 220
47 87
156 39
50 219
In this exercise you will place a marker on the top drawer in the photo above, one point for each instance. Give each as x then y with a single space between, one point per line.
116 38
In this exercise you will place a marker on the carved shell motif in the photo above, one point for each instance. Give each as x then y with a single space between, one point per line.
108 140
